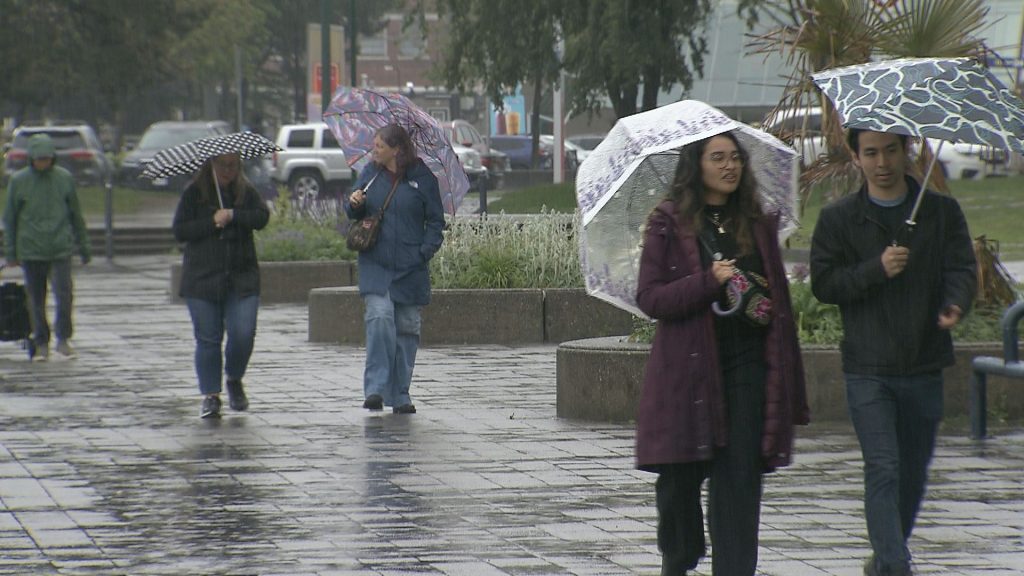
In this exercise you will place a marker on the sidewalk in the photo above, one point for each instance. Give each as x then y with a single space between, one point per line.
105 467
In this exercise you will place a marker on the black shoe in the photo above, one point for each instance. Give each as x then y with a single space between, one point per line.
236 396
404 409
211 407
374 402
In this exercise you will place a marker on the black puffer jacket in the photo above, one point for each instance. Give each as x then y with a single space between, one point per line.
890 325
217 261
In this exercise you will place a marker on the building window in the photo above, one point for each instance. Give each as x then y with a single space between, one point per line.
374 46
411 44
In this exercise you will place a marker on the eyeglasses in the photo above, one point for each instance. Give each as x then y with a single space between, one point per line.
721 159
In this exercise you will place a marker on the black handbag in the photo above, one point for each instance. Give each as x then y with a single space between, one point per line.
362 234
746 293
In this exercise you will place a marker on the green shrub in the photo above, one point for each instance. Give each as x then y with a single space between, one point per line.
505 252
304 231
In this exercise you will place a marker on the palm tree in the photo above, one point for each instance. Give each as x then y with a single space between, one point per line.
815 35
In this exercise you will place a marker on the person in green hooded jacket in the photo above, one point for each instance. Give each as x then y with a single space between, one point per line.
43 226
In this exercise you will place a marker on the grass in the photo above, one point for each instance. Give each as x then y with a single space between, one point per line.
533 200
992 207
93 200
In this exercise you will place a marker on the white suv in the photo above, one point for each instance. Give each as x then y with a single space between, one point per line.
967 161
311 160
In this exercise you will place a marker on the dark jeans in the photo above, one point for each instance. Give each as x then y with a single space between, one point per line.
210 319
896 419
734 490
58 272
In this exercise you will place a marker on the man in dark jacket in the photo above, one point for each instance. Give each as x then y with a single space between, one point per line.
900 290
43 226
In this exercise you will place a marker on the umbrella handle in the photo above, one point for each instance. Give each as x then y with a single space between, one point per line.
737 297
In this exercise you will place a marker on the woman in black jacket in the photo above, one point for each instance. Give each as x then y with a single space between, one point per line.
220 279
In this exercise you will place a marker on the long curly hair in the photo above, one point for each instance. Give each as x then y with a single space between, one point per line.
742 208
208 188
397 137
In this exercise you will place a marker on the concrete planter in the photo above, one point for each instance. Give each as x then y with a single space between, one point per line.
290 282
507 317
600 379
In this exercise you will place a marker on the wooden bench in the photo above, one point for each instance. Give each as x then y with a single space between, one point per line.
1009 366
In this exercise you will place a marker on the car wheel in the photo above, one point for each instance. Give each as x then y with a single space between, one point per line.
305 185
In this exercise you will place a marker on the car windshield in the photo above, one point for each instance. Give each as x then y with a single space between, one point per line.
162 137
587 142
62 139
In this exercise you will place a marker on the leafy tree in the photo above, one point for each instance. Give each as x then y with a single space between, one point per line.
616 48
815 35
501 45
38 41
286 24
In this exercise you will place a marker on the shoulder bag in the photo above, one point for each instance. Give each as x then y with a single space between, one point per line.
362 234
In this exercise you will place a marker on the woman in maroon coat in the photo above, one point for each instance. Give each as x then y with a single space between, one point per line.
721 394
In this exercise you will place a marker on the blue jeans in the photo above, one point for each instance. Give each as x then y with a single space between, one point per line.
59 274
210 319
896 419
392 338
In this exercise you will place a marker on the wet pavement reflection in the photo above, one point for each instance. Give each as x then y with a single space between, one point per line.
105 467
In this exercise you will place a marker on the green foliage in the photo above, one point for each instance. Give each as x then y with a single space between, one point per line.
509 252
615 49
299 232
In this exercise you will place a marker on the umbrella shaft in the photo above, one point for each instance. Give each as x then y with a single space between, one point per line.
912 219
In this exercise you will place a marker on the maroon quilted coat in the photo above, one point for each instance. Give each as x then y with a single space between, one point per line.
682 415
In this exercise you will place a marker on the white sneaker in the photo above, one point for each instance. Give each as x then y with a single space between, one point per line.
41 354
65 349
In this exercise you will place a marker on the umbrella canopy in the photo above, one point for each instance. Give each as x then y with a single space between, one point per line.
188 157
355 115
956 99
630 172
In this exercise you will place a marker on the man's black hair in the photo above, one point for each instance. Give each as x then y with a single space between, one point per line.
853 139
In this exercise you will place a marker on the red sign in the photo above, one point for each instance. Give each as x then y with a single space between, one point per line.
317 71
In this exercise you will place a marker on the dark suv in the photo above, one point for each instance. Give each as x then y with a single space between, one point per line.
78 150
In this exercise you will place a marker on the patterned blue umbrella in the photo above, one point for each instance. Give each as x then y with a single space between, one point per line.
955 99
188 157
950 99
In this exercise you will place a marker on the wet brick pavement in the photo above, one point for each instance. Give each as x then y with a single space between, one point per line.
105 467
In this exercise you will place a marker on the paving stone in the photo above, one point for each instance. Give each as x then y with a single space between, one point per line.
106 468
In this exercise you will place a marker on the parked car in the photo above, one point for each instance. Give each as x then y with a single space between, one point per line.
474 167
519 149
157 137
572 152
78 150
957 161
585 144
311 161
465 134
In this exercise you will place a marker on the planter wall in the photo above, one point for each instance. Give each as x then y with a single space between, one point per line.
290 282
600 379
505 317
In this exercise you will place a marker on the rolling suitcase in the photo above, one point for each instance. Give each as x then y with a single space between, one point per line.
14 320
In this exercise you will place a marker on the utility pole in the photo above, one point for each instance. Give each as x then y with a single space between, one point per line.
325 55
352 41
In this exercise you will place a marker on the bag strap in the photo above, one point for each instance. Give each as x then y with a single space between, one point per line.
388 199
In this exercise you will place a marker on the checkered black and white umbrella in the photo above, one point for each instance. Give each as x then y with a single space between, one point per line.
188 157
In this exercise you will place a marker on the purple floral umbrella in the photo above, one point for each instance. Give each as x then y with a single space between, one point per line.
355 114
629 173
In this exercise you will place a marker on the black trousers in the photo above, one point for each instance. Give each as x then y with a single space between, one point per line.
734 490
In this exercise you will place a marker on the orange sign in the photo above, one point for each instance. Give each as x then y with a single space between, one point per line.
317 85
